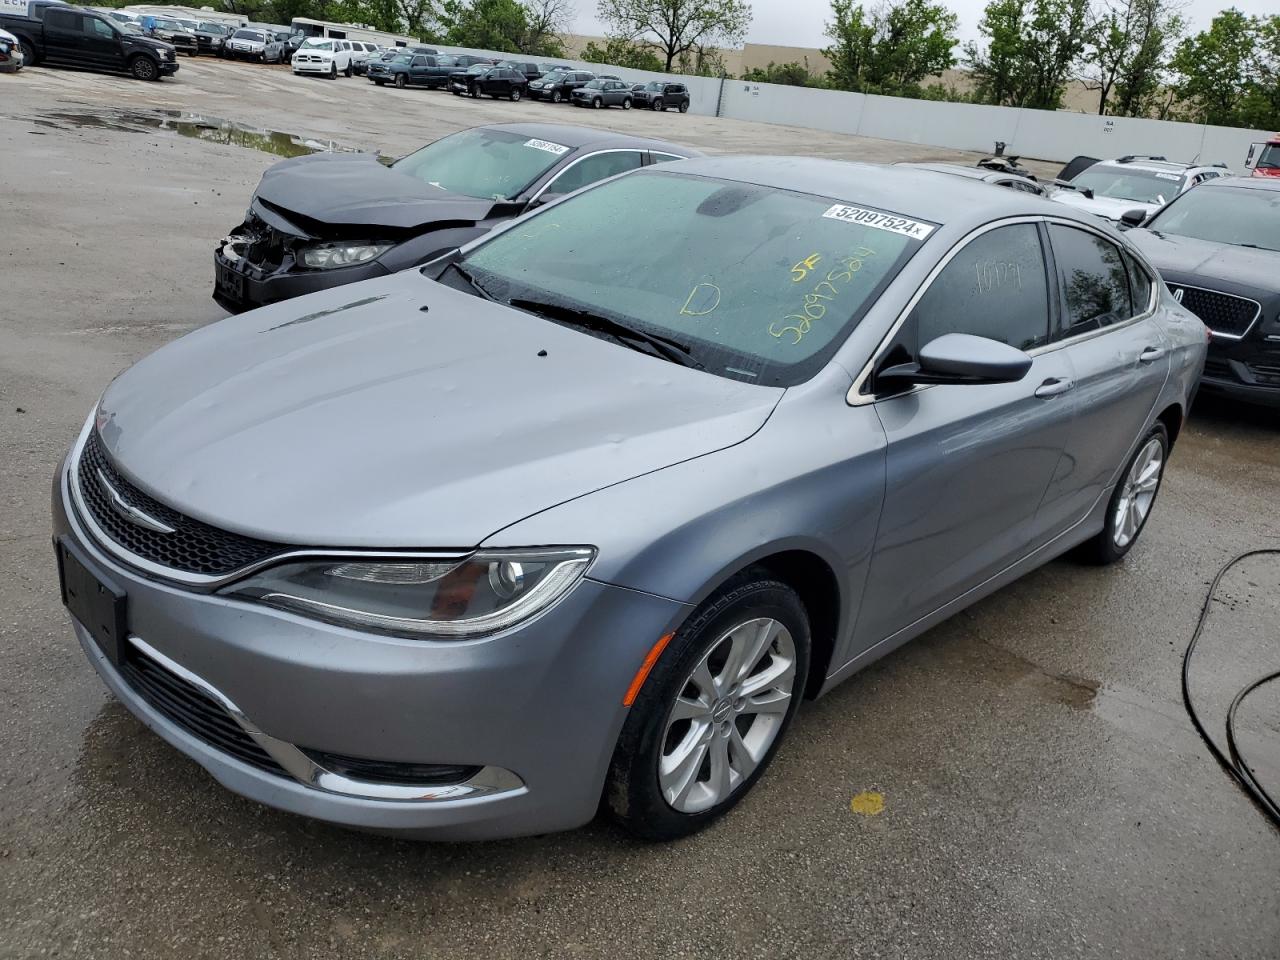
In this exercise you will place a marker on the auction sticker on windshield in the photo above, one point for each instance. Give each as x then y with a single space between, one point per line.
548 146
880 221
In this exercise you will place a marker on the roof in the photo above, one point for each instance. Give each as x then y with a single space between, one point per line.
1249 183
904 189
1156 165
573 135
958 170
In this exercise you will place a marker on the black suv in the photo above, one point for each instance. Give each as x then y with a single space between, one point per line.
658 95
558 85
488 79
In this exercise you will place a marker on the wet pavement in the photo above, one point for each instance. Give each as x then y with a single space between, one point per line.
1022 781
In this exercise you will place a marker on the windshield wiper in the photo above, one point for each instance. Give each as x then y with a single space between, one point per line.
654 344
475 284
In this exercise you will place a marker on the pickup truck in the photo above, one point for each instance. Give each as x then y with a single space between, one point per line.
418 69
56 32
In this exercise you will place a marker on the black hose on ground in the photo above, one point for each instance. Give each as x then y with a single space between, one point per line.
1233 761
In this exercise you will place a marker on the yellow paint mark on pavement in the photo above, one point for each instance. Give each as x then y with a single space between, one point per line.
868 803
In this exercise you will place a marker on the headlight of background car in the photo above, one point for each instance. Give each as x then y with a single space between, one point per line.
427 599
325 256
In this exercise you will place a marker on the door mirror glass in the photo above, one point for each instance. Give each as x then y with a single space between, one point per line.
1253 153
961 358
1133 218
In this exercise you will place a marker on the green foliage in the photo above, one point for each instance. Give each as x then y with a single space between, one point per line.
485 24
891 48
680 31
1030 52
1229 75
622 53
791 74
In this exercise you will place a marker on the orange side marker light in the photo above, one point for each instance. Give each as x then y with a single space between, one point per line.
642 674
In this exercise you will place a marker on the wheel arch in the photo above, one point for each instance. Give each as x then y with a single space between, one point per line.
1172 418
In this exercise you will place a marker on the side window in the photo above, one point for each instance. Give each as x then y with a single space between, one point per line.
996 287
61 19
656 157
593 168
1094 281
1139 284
420 61
98 28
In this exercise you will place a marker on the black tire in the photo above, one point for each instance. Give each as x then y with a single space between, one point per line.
379 83
144 68
29 58
516 94
556 96
597 104
456 93
1104 548
475 92
684 106
333 71
626 103
347 72
400 81
632 792
655 105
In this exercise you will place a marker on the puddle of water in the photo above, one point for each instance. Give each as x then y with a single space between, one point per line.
197 126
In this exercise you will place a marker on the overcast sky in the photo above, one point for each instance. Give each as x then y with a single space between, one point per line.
800 23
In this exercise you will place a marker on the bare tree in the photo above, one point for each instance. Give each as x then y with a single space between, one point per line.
549 21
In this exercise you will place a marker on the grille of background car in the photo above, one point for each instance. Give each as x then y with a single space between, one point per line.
193 547
1221 312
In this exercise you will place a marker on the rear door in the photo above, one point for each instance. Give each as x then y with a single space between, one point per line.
62 35
967 465
1120 358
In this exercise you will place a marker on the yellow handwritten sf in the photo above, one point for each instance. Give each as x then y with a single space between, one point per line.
801 269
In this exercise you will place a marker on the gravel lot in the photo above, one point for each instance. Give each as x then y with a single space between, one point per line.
1044 794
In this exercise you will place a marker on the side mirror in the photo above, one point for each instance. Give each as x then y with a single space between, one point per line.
961 358
1133 218
1253 152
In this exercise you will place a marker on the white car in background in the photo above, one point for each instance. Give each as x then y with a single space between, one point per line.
1128 190
324 56
363 53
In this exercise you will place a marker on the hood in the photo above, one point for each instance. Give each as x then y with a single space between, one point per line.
1225 266
359 417
1107 207
355 189
150 43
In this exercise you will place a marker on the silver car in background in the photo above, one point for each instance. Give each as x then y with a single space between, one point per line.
582 512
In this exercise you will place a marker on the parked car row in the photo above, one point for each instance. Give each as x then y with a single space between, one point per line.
60 33
621 596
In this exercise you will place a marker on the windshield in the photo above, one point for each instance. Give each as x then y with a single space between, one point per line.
316 45
211 28
248 35
595 84
1220 214
555 76
478 68
1269 158
653 85
189 24
129 28
491 164
169 25
404 58
762 284
1141 186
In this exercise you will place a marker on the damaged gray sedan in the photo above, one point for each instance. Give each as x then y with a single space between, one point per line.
582 513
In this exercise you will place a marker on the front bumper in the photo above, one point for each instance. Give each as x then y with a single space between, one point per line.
540 707
168 68
312 66
241 286
1247 369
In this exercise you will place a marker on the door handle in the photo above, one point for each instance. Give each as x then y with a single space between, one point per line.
1151 355
1053 387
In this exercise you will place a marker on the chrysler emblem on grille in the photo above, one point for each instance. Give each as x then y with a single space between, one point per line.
128 510
1177 294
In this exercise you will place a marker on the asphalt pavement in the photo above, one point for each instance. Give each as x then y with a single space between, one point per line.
1022 781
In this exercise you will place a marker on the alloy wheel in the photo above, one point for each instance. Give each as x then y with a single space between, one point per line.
1138 493
727 714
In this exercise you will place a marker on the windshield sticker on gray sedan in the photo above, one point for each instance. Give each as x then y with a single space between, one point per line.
881 221
548 146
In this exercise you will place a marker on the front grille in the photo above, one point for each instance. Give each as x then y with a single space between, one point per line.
391 771
189 707
193 547
1222 313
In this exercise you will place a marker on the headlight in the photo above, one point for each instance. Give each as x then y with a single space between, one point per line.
325 256
442 600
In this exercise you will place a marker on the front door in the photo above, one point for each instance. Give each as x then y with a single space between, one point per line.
419 70
967 465
101 44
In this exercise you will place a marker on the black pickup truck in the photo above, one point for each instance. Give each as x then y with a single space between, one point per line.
77 37
418 69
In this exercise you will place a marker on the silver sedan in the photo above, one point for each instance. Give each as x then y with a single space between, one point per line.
586 509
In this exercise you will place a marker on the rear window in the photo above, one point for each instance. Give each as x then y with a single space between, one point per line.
778 280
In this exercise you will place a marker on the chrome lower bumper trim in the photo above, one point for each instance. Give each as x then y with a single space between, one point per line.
488 781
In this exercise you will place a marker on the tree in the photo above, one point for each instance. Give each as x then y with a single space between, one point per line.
548 22
485 24
790 74
1127 52
622 53
676 28
1230 74
1031 50
420 17
890 48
